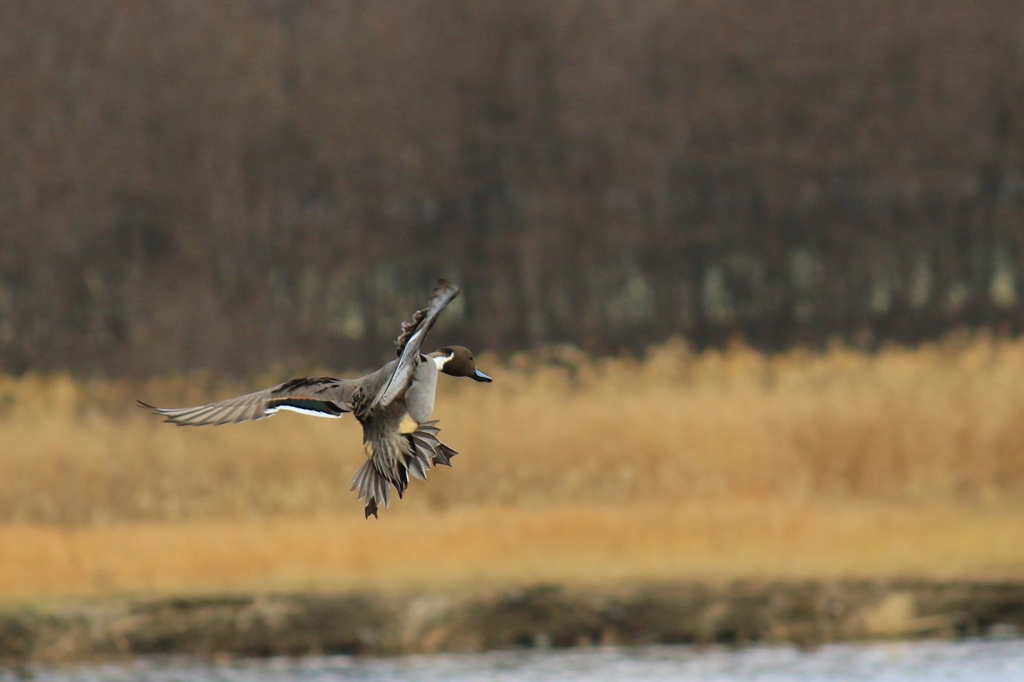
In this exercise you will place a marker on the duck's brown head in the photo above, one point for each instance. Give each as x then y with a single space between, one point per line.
457 361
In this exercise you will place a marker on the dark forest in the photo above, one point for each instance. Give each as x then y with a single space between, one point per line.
192 185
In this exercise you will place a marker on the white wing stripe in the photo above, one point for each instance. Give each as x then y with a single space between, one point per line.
301 410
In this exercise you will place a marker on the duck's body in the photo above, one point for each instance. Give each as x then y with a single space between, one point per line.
393 404
398 438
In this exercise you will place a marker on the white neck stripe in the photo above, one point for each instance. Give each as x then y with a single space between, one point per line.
442 360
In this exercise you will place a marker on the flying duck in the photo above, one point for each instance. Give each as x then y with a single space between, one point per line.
393 405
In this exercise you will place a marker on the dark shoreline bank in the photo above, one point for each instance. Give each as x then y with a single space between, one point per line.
804 613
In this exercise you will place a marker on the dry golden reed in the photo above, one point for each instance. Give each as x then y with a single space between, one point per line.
943 423
474 548
705 466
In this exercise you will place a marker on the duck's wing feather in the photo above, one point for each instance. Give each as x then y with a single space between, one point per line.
316 396
409 342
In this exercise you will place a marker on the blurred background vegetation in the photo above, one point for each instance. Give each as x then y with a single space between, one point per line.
189 184
747 273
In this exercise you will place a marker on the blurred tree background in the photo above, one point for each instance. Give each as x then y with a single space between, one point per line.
193 184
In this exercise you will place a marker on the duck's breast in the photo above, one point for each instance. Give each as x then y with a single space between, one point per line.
419 397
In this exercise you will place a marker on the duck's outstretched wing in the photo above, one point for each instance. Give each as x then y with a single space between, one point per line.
409 342
319 397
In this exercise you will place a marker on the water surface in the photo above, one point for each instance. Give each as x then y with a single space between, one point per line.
968 661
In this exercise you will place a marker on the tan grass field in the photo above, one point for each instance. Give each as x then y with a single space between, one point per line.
497 547
676 466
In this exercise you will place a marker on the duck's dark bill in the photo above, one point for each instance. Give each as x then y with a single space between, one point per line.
480 376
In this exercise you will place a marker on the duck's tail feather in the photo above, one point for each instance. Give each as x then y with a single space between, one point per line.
428 447
422 451
372 487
